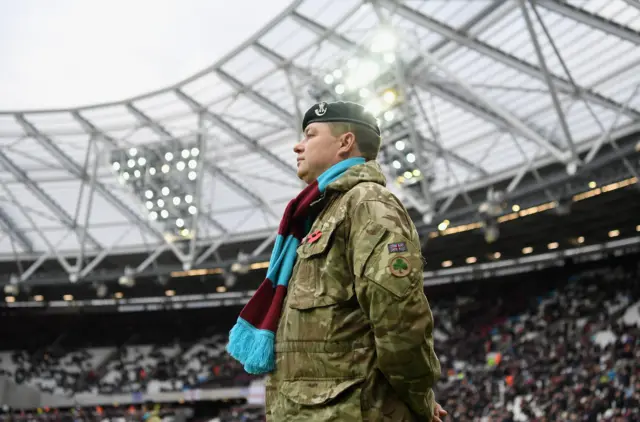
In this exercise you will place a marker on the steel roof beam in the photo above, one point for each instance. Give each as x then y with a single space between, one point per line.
580 15
143 118
446 47
8 226
633 3
77 171
257 98
324 32
440 150
547 77
463 101
252 144
550 181
43 197
418 18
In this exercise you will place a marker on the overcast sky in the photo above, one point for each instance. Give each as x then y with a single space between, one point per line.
62 53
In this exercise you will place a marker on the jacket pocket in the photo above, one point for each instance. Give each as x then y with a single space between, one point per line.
318 392
321 277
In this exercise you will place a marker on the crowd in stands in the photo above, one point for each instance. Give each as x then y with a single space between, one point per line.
547 347
572 353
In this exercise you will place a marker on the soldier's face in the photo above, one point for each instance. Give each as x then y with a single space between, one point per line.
317 151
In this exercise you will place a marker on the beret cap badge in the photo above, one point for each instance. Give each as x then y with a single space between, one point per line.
322 109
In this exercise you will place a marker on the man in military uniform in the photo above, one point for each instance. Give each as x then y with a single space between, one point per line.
354 340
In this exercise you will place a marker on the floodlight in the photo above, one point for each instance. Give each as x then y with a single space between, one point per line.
384 41
389 96
374 107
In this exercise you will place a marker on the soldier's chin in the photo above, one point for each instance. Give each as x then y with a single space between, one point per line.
302 172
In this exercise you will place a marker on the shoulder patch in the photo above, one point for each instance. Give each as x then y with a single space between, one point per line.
399 266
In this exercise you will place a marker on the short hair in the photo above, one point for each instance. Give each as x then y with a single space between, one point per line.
367 140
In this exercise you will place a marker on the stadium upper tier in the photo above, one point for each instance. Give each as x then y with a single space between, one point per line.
469 94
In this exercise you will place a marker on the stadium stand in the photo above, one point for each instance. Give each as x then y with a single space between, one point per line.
559 344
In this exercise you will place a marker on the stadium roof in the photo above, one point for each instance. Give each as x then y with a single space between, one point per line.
479 92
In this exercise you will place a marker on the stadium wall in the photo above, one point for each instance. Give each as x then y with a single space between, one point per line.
18 396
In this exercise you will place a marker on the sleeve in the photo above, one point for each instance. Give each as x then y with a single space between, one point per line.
388 267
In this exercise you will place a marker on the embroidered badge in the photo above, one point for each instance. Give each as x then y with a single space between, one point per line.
397 247
399 266
313 237
322 109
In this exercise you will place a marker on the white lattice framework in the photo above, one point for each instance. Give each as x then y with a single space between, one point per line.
497 88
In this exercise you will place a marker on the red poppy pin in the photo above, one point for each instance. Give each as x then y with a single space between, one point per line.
313 237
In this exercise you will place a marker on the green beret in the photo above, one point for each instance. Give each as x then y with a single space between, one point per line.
340 111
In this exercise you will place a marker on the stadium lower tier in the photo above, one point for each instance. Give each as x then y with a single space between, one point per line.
560 344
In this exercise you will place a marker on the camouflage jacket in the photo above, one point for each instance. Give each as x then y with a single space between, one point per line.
354 342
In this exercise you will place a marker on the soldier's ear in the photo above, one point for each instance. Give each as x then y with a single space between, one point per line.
347 143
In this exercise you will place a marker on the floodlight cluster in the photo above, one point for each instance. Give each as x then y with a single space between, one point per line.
369 83
403 162
370 78
163 177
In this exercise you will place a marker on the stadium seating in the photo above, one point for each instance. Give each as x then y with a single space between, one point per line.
561 348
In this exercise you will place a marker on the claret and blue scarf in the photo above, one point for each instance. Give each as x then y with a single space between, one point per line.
252 339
